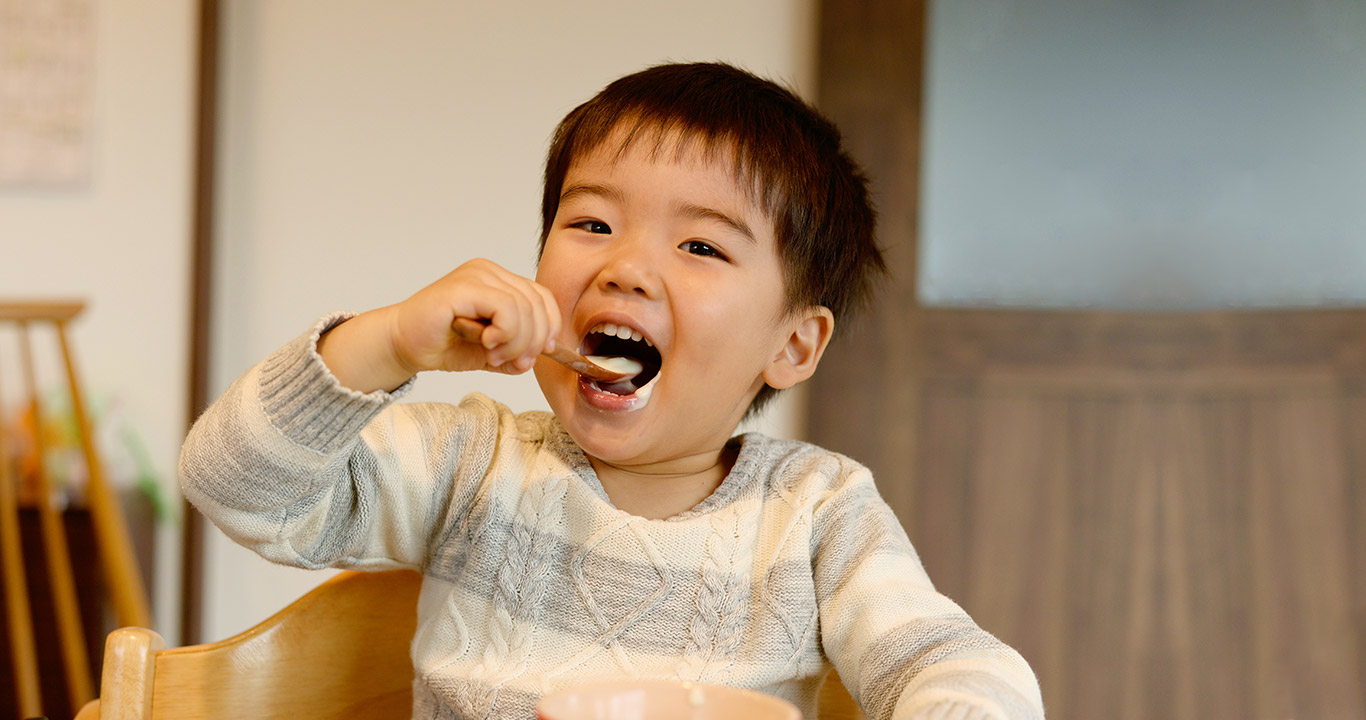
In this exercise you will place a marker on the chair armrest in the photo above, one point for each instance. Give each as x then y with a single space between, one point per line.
129 666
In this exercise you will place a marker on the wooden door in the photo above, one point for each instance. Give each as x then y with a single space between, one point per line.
1161 511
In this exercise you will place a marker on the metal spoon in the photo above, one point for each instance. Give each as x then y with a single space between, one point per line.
470 330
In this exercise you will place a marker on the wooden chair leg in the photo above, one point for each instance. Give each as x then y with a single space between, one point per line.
117 560
19 615
66 606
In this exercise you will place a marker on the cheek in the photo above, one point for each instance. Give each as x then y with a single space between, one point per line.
560 277
736 329
755 306
749 326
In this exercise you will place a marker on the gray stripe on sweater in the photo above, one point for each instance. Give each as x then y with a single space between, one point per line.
233 476
350 513
941 638
619 588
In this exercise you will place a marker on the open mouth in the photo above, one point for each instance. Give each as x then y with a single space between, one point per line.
609 340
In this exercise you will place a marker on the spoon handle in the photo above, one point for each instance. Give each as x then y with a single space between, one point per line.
470 330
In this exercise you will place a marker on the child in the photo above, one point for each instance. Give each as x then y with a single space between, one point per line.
707 224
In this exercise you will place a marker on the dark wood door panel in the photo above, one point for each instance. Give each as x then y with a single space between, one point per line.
1164 530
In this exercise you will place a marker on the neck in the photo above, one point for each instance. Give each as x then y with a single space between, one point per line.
661 490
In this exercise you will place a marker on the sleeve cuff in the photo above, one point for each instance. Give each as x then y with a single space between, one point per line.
306 403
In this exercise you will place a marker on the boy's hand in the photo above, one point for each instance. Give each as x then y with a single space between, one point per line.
522 317
383 348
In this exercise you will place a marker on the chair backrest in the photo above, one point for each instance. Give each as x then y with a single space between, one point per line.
340 651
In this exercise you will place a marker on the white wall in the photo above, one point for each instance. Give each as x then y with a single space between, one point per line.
121 241
1140 154
368 148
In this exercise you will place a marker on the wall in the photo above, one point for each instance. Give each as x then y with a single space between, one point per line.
1139 154
368 148
120 241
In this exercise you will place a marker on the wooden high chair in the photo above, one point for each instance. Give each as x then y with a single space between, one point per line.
118 565
340 651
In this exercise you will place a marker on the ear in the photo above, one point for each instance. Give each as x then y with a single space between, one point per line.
796 359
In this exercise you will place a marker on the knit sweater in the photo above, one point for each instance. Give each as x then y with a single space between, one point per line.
533 581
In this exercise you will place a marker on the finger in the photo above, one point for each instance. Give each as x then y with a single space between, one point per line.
539 337
511 322
520 313
541 323
476 290
554 322
513 367
531 321
469 330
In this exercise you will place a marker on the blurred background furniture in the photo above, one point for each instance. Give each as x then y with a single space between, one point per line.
42 593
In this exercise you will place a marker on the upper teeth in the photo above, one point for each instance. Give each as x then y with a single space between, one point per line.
621 331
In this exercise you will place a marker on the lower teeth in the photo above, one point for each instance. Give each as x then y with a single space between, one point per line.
618 388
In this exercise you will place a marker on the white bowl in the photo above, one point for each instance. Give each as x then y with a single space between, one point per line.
662 700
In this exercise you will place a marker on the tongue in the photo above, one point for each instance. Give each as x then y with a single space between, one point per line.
624 387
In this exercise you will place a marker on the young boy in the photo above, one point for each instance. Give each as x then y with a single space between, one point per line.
707 224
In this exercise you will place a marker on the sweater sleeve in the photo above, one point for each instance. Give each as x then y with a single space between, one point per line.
905 651
308 473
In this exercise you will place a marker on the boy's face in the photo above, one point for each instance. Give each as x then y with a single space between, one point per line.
670 248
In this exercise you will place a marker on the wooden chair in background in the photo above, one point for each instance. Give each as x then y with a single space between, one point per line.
119 567
340 651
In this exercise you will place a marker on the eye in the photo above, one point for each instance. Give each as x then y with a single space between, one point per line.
597 227
697 247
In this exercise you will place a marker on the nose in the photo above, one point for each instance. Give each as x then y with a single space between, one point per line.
630 269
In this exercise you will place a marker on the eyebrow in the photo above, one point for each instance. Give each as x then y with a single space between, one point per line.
702 212
610 192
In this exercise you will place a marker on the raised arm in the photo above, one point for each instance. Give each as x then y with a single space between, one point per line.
304 460
306 472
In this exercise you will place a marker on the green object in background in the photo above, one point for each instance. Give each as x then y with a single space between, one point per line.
146 480
123 454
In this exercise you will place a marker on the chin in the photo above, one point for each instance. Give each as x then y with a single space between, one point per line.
610 437
597 433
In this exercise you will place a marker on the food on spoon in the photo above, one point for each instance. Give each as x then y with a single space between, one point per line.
623 365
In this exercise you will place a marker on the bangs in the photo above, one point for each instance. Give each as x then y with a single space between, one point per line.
669 137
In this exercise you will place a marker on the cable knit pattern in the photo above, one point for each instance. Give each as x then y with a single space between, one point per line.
535 582
521 588
716 629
